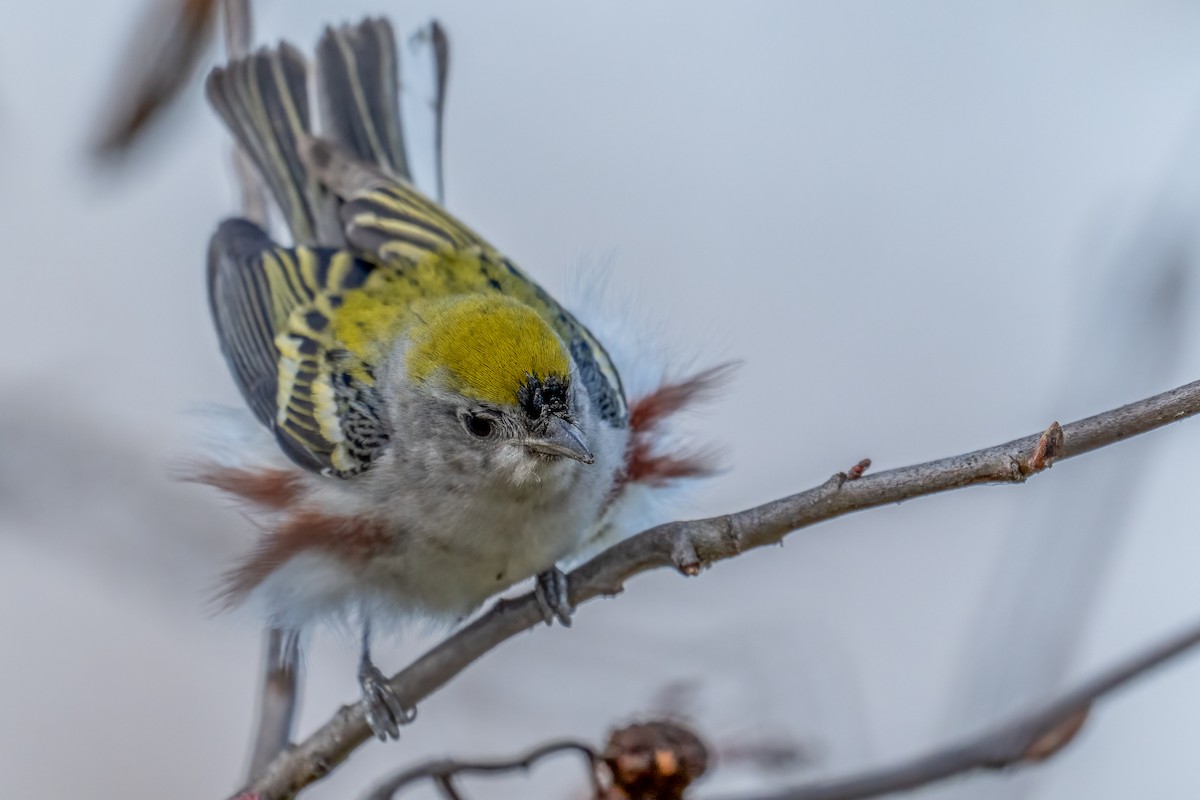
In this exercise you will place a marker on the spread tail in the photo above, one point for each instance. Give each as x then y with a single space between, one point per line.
358 79
263 100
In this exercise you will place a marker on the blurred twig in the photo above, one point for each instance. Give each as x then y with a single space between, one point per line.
446 769
1030 738
424 75
277 694
278 689
239 28
165 49
661 759
691 546
441 59
655 760
1045 580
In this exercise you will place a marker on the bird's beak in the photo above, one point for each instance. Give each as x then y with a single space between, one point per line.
562 439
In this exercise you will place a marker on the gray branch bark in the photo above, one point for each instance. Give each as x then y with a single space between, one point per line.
691 546
1030 738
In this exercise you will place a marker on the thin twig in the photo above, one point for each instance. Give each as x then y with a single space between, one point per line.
239 38
429 47
165 47
277 694
443 769
1029 738
689 546
441 57
239 28
276 699
446 784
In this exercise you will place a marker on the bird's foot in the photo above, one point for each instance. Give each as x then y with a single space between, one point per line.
553 597
386 712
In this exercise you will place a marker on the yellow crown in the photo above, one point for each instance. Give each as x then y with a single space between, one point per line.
483 346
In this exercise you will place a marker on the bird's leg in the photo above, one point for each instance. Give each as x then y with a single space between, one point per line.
386 712
553 596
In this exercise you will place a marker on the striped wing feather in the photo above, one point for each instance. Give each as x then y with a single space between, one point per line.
272 308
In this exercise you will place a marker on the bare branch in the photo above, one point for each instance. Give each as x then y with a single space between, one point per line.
442 770
651 754
446 784
653 760
239 28
278 689
441 60
425 74
690 546
164 50
239 38
1031 738
277 698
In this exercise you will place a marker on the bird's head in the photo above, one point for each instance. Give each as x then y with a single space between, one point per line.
485 384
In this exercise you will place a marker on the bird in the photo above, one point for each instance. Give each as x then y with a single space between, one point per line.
441 427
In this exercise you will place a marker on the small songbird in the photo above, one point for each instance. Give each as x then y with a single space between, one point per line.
449 429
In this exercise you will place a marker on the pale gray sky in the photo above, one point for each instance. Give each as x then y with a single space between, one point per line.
923 226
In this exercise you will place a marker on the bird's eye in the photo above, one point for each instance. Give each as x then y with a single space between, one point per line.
477 426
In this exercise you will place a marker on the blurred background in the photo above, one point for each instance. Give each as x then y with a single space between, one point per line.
926 227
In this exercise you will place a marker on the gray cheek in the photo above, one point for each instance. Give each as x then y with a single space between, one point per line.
464 460
448 457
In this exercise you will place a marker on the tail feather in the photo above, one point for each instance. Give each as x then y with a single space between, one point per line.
425 65
263 100
358 77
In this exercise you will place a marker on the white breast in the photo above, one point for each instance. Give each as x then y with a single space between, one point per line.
452 554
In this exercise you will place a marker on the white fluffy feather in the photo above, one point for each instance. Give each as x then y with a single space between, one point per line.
646 358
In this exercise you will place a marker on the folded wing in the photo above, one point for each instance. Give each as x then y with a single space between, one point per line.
273 309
